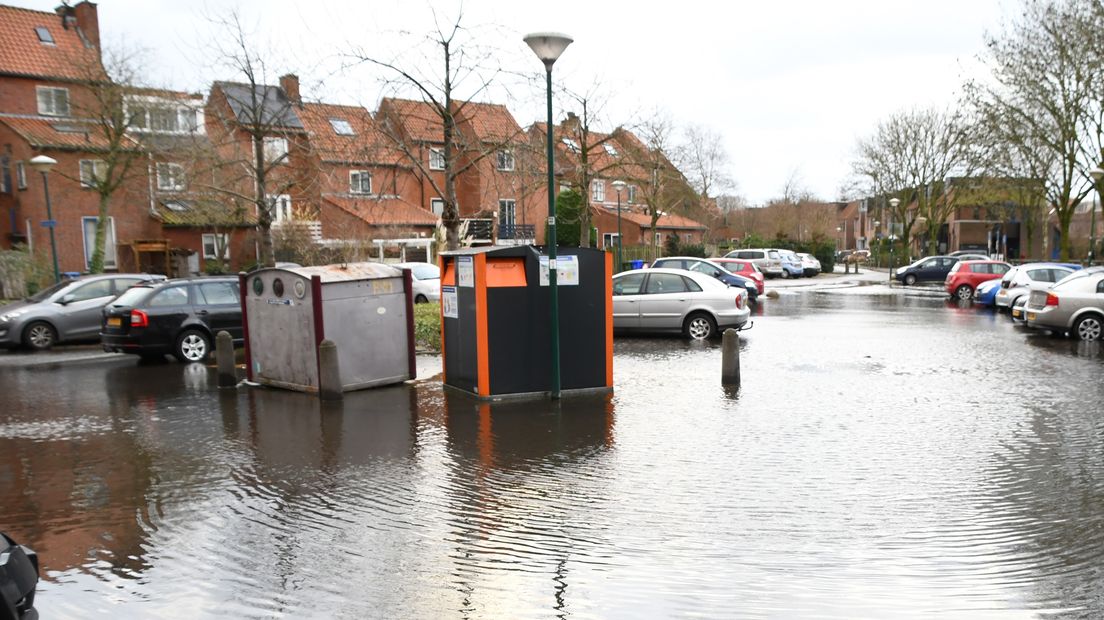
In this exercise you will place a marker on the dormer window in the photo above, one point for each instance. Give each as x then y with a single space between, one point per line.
44 36
342 127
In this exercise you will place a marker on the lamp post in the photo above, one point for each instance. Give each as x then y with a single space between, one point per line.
619 185
1096 173
548 46
44 165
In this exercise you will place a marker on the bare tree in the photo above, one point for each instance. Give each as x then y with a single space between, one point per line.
664 187
1043 99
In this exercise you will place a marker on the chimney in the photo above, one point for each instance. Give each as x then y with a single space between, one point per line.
88 21
571 123
290 85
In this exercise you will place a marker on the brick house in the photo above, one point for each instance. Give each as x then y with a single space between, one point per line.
49 63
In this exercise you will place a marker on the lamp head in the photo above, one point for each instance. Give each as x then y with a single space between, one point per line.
1097 173
548 46
893 202
42 163
619 185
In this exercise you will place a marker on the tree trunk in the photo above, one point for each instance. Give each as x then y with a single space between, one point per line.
264 209
1064 219
96 264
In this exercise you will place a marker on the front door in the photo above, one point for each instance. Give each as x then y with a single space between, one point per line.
82 310
665 297
627 290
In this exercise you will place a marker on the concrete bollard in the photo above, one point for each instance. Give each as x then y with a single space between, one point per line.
329 373
224 355
730 357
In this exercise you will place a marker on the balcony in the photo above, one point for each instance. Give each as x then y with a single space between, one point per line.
480 231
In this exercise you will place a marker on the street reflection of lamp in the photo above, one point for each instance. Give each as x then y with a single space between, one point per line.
44 165
619 185
1097 174
548 46
893 204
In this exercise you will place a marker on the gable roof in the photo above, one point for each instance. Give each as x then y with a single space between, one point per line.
57 133
261 104
644 220
384 212
71 57
487 122
366 145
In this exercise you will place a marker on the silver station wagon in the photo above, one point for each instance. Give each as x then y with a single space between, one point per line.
676 300
1075 305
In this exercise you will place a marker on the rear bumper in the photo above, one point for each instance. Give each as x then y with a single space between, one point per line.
119 343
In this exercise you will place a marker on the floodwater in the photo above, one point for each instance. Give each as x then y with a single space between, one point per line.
885 457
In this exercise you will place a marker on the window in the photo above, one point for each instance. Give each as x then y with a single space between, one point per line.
218 293
280 208
632 194
598 191
122 284
53 101
609 240
172 296
91 172
360 182
665 283
505 160
89 225
5 177
436 159
628 285
138 118
164 119
572 145
342 127
20 175
275 150
610 149
44 36
437 206
507 213
706 268
212 243
92 290
170 177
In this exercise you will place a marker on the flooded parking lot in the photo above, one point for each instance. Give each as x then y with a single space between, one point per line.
886 456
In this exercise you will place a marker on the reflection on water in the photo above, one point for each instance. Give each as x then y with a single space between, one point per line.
884 456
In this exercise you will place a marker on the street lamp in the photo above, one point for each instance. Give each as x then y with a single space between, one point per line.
548 46
619 185
44 165
1096 173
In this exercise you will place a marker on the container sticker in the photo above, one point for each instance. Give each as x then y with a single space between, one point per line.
449 308
382 287
466 268
567 270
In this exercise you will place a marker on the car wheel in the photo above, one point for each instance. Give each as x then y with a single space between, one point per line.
39 336
699 326
192 346
421 299
1088 327
785 275
910 279
964 292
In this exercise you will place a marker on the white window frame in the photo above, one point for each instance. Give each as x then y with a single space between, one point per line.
659 238
110 259
4 177
510 206
20 175
598 190
48 95
436 158
170 176
275 150
437 206
609 240
281 207
213 239
356 181
632 194
342 127
505 160
95 171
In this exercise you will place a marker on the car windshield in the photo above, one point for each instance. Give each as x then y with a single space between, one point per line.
132 296
426 272
45 293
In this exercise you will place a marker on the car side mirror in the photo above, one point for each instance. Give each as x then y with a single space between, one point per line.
67 299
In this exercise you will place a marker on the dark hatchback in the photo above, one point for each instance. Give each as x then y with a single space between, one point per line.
178 316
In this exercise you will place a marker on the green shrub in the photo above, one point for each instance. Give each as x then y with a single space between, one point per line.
427 326
693 249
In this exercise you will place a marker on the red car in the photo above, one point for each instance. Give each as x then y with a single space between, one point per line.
745 268
966 275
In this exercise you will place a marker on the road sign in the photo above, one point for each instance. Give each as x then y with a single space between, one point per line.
49 223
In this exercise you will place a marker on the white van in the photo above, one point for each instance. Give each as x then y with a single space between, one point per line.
768 261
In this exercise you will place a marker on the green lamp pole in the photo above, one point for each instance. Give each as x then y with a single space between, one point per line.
618 185
548 46
45 164
1096 173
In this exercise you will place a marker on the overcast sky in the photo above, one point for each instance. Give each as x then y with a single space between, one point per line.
789 84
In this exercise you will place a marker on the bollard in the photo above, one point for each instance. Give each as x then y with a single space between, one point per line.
730 357
224 355
329 374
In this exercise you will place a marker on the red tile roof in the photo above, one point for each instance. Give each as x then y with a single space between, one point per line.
21 52
488 122
58 133
644 220
367 145
384 211
419 119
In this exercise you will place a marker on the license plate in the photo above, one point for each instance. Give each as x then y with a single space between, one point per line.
1030 316
114 321
1016 313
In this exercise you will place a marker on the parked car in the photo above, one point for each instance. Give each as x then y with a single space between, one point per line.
791 264
426 280
708 267
68 311
1075 305
1018 313
858 256
931 269
745 268
970 253
768 261
966 275
810 264
986 293
180 317
676 300
1022 279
